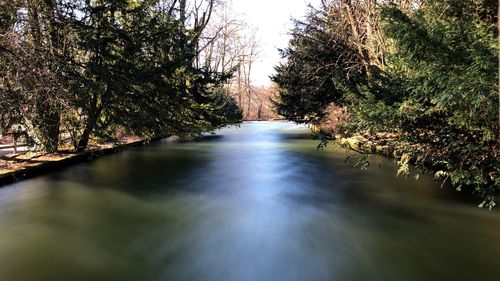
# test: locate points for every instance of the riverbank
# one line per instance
(380, 144)
(408, 155)
(17, 167)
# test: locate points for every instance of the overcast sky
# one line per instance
(273, 20)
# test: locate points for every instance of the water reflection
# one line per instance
(251, 203)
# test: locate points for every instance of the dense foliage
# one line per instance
(82, 69)
(427, 71)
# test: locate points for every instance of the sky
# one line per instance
(272, 18)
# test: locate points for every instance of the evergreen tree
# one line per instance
(446, 57)
(93, 68)
(437, 87)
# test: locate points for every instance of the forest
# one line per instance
(420, 75)
(417, 75)
(74, 72)
(249, 140)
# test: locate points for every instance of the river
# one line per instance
(255, 202)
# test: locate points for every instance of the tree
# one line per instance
(446, 58)
(229, 46)
(424, 70)
(88, 69)
(32, 86)
(320, 62)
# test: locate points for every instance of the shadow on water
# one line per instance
(257, 202)
(211, 137)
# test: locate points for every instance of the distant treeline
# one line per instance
(83, 69)
(425, 71)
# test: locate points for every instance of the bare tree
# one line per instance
(230, 45)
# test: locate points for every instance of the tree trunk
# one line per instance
(48, 123)
(182, 11)
(358, 41)
(47, 118)
(239, 86)
(90, 125)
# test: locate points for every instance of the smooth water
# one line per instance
(257, 202)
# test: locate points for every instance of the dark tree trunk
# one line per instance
(90, 125)
(182, 11)
(47, 118)
(49, 126)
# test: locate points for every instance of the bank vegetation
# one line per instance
(77, 71)
(423, 72)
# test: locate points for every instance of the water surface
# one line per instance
(257, 202)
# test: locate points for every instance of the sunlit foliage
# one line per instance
(84, 69)
(434, 84)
